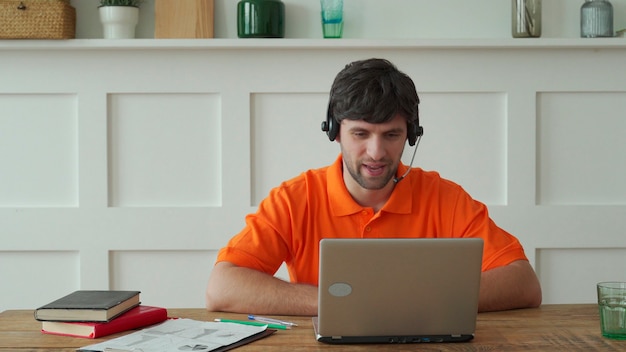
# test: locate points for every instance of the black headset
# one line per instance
(331, 127)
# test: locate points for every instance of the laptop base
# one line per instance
(337, 340)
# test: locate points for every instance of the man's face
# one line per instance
(372, 152)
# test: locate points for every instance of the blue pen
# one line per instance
(271, 320)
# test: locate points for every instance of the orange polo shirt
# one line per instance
(296, 215)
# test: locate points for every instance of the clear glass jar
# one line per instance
(526, 18)
(596, 19)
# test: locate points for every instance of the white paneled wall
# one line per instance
(128, 164)
(172, 137)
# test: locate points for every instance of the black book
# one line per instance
(88, 306)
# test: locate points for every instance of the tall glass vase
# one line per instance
(526, 18)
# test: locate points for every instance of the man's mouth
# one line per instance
(374, 170)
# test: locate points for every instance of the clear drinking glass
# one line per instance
(612, 306)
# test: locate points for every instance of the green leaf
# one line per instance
(133, 3)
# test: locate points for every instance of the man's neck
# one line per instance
(374, 199)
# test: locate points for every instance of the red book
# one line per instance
(137, 317)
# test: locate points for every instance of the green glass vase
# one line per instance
(261, 19)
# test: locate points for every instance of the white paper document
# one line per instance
(179, 335)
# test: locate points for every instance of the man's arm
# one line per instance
(509, 287)
(242, 290)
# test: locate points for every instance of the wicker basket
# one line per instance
(37, 19)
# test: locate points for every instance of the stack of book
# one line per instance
(93, 314)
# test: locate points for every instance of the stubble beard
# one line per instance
(372, 184)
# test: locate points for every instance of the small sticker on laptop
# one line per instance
(340, 289)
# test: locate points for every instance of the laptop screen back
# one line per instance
(398, 287)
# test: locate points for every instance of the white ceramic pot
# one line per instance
(119, 22)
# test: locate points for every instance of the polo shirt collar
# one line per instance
(342, 204)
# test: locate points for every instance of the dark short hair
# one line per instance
(373, 90)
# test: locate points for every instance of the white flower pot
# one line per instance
(119, 22)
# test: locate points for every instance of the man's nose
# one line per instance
(375, 148)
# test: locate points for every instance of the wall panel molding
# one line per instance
(110, 177)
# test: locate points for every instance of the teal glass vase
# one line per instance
(261, 19)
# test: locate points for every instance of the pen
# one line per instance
(271, 320)
(254, 323)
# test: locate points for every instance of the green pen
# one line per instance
(254, 323)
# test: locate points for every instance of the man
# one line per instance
(367, 192)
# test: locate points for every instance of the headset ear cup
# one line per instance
(330, 126)
(412, 134)
(334, 130)
(415, 131)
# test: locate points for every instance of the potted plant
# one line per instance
(119, 18)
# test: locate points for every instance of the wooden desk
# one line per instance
(550, 327)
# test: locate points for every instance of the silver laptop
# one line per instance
(398, 290)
